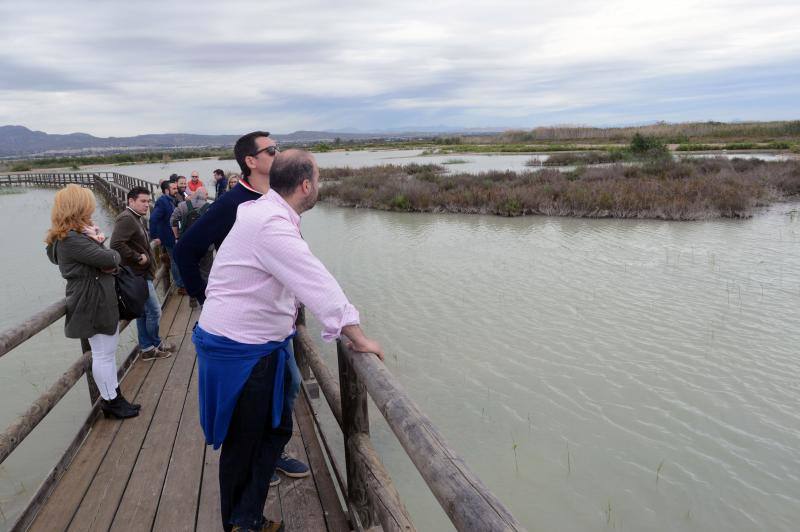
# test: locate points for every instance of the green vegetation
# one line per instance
(659, 187)
(737, 146)
(455, 161)
(117, 158)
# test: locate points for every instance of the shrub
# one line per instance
(400, 203)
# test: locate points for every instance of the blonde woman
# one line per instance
(233, 180)
(75, 244)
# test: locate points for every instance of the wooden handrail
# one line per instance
(14, 336)
(19, 429)
(467, 501)
(380, 491)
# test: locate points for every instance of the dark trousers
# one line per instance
(251, 448)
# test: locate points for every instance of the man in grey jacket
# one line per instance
(131, 240)
(184, 215)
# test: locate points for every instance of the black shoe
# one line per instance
(117, 408)
(135, 406)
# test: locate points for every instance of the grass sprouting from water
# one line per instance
(514, 449)
(569, 461)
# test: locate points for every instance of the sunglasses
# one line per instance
(271, 151)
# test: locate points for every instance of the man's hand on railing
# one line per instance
(358, 341)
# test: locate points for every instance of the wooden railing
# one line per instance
(371, 495)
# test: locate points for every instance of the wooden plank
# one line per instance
(302, 509)
(177, 508)
(68, 493)
(335, 517)
(100, 502)
(208, 512)
(139, 503)
(273, 509)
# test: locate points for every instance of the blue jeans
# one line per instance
(173, 267)
(148, 324)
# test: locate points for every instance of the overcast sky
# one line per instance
(114, 69)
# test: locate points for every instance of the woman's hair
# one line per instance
(72, 210)
(231, 179)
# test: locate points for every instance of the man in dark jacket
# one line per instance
(161, 228)
(221, 183)
(131, 240)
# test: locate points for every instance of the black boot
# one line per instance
(135, 406)
(117, 408)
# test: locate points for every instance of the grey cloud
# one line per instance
(17, 76)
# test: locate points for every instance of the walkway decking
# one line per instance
(154, 472)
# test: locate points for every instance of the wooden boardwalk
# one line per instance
(154, 471)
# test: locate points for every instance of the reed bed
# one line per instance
(660, 188)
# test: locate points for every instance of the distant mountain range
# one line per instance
(19, 141)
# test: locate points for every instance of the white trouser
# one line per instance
(104, 363)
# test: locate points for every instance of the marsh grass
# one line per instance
(595, 157)
(660, 188)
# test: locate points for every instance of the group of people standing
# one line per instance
(262, 271)
(77, 246)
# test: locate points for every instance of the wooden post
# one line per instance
(299, 348)
(94, 392)
(355, 422)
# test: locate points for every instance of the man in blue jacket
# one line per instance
(161, 228)
(254, 152)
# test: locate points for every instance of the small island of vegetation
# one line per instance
(651, 184)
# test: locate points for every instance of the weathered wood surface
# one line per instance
(60, 506)
(24, 424)
(101, 501)
(329, 499)
(325, 377)
(355, 422)
(383, 497)
(14, 336)
(467, 501)
(154, 472)
(381, 494)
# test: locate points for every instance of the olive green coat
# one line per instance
(92, 306)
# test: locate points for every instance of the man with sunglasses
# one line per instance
(263, 270)
(255, 153)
